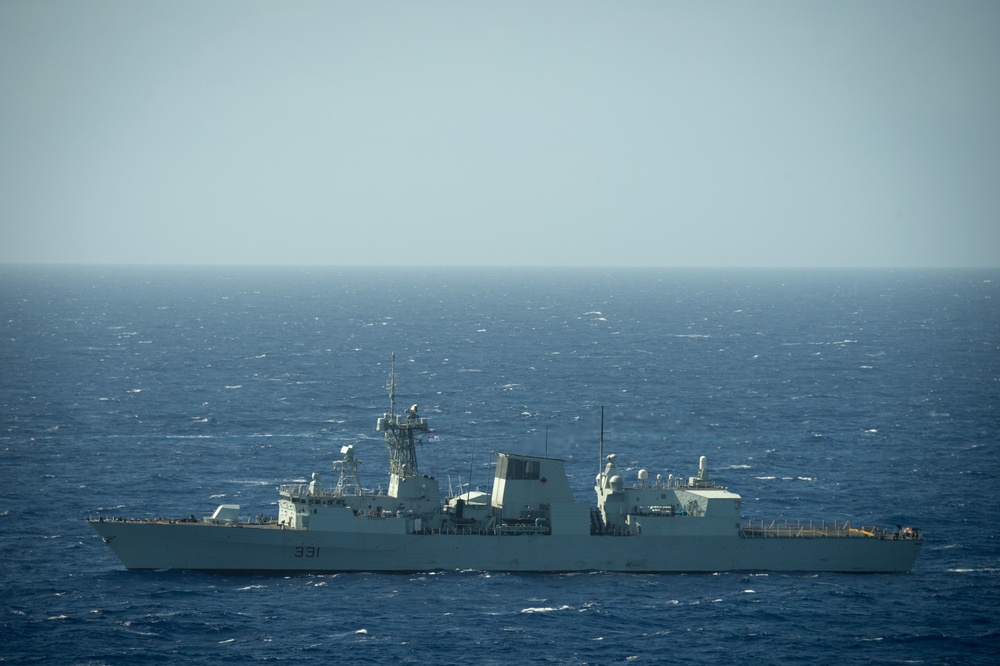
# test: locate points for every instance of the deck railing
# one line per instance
(761, 529)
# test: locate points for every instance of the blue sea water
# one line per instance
(869, 396)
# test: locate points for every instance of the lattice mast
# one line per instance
(348, 468)
(401, 432)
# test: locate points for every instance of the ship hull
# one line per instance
(266, 548)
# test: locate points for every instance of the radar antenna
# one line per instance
(401, 432)
(348, 468)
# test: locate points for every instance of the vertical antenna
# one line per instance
(600, 462)
(471, 455)
(546, 441)
(392, 386)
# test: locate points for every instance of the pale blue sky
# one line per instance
(847, 133)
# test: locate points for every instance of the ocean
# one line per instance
(866, 395)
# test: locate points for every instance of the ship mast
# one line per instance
(401, 432)
(600, 455)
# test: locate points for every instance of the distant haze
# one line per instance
(849, 133)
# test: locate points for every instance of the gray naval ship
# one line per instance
(529, 522)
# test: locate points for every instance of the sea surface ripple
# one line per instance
(869, 396)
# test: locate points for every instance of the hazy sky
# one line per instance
(834, 133)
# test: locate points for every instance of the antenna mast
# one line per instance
(600, 461)
(401, 433)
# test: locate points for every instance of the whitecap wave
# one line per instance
(545, 609)
(981, 570)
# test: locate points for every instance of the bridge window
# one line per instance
(514, 469)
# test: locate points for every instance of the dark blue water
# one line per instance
(869, 396)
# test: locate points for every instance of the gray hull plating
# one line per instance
(209, 547)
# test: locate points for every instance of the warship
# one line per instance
(528, 522)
